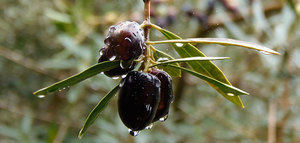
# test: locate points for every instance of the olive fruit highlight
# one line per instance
(107, 55)
(166, 94)
(126, 40)
(138, 99)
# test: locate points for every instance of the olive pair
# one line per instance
(144, 98)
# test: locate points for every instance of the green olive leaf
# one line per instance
(189, 60)
(221, 41)
(97, 110)
(207, 68)
(171, 71)
(228, 89)
(91, 71)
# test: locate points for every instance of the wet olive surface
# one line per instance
(138, 99)
(107, 55)
(166, 93)
(126, 40)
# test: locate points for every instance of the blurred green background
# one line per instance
(43, 41)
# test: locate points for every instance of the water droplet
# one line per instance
(179, 44)
(128, 39)
(107, 41)
(112, 28)
(101, 72)
(63, 90)
(116, 77)
(172, 100)
(230, 94)
(112, 58)
(265, 53)
(126, 65)
(157, 84)
(148, 107)
(123, 76)
(101, 52)
(41, 96)
(133, 133)
(162, 119)
(130, 79)
(122, 65)
(149, 126)
(162, 59)
(121, 83)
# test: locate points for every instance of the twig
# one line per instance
(42, 117)
(62, 131)
(245, 131)
(284, 101)
(25, 62)
(210, 113)
(32, 65)
(272, 122)
(215, 22)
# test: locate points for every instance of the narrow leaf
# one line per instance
(207, 68)
(221, 41)
(189, 60)
(93, 70)
(158, 55)
(97, 110)
(226, 88)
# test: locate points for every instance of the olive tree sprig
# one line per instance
(200, 65)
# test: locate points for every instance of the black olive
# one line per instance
(138, 99)
(126, 40)
(166, 94)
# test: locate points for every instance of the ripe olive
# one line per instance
(126, 40)
(166, 93)
(138, 99)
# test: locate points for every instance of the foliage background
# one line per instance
(44, 41)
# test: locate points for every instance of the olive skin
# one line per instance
(106, 55)
(166, 93)
(126, 40)
(138, 99)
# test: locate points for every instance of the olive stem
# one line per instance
(153, 62)
(146, 26)
(140, 59)
(147, 19)
(154, 26)
(152, 48)
(153, 51)
(147, 59)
